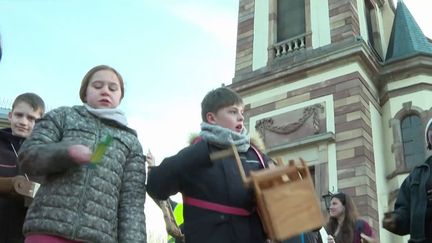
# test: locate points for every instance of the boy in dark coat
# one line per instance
(413, 208)
(26, 109)
(217, 206)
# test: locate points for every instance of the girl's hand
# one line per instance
(367, 239)
(150, 159)
(80, 154)
(330, 239)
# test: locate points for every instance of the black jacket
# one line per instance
(12, 210)
(308, 237)
(411, 203)
(8, 158)
(192, 173)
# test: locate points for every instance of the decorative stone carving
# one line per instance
(270, 125)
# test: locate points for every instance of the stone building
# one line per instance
(343, 84)
(4, 122)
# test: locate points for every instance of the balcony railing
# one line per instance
(288, 46)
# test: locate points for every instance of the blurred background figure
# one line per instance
(344, 225)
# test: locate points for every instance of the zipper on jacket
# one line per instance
(86, 179)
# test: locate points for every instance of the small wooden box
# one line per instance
(18, 185)
(285, 195)
(286, 200)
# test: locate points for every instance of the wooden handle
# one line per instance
(221, 154)
(232, 151)
(246, 180)
(171, 226)
(18, 185)
(6, 185)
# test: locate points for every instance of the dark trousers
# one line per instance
(12, 214)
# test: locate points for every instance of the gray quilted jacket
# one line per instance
(104, 204)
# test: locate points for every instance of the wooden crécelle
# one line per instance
(285, 194)
(18, 185)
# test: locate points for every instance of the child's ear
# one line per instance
(211, 118)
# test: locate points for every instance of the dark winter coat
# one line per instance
(308, 237)
(411, 204)
(192, 173)
(9, 144)
(104, 204)
(12, 210)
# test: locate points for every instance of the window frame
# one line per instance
(372, 28)
(397, 147)
(411, 164)
(273, 28)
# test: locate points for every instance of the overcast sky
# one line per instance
(169, 52)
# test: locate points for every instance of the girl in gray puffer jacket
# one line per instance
(79, 201)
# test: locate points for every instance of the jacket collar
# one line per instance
(6, 135)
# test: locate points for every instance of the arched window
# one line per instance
(373, 29)
(412, 140)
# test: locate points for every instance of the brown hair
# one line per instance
(217, 99)
(347, 228)
(86, 80)
(34, 100)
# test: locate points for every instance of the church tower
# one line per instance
(344, 84)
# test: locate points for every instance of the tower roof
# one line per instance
(406, 38)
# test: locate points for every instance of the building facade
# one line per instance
(344, 84)
(4, 122)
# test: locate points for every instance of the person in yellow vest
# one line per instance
(178, 216)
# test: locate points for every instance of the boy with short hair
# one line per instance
(217, 206)
(26, 109)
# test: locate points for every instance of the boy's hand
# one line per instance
(367, 239)
(330, 239)
(389, 221)
(79, 153)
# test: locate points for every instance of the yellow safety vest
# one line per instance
(178, 217)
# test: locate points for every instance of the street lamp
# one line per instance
(327, 198)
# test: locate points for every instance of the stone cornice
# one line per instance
(323, 137)
(403, 68)
(303, 63)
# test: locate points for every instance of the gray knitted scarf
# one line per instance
(224, 137)
(110, 114)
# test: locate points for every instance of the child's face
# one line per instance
(22, 119)
(103, 90)
(230, 117)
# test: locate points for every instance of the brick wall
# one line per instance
(353, 132)
(245, 37)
